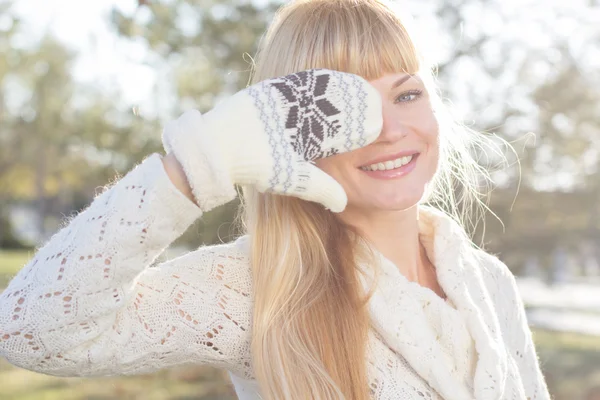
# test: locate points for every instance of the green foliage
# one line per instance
(7, 236)
(59, 139)
(189, 382)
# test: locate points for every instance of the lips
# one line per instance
(389, 165)
(389, 170)
(390, 157)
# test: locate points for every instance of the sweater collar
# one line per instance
(399, 318)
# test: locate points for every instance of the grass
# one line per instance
(570, 362)
(11, 261)
(182, 383)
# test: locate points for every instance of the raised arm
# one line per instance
(88, 303)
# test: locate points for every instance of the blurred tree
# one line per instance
(520, 69)
(58, 140)
(511, 68)
(206, 43)
(513, 71)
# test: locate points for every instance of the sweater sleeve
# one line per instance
(514, 326)
(91, 303)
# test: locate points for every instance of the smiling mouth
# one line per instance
(390, 164)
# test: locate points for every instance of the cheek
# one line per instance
(341, 168)
(433, 154)
(325, 165)
(433, 137)
(427, 129)
(430, 133)
(336, 166)
(430, 126)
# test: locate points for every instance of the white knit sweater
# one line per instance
(90, 302)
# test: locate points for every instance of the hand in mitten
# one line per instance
(269, 135)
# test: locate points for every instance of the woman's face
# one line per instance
(393, 172)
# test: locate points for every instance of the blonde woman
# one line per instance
(346, 286)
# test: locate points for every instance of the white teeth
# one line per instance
(388, 164)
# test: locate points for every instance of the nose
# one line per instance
(393, 128)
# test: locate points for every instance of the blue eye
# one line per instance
(408, 96)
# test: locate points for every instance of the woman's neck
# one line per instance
(395, 234)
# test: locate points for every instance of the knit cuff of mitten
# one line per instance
(206, 171)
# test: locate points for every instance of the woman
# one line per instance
(345, 286)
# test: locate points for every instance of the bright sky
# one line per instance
(83, 25)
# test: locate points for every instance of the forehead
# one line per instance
(392, 80)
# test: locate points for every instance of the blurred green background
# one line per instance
(86, 86)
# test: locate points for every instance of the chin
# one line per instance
(399, 203)
(396, 200)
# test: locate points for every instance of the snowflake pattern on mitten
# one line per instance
(326, 115)
(309, 114)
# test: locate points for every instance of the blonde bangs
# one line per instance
(363, 37)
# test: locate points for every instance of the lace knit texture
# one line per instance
(92, 303)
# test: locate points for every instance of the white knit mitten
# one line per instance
(269, 135)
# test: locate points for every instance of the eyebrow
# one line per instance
(401, 81)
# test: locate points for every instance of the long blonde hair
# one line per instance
(310, 321)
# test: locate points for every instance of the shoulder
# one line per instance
(236, 253)
(502, 287)
(212, 288)
(495, 273)
(224, 265)
(507, 302)
(500, 283)
(232, 262)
